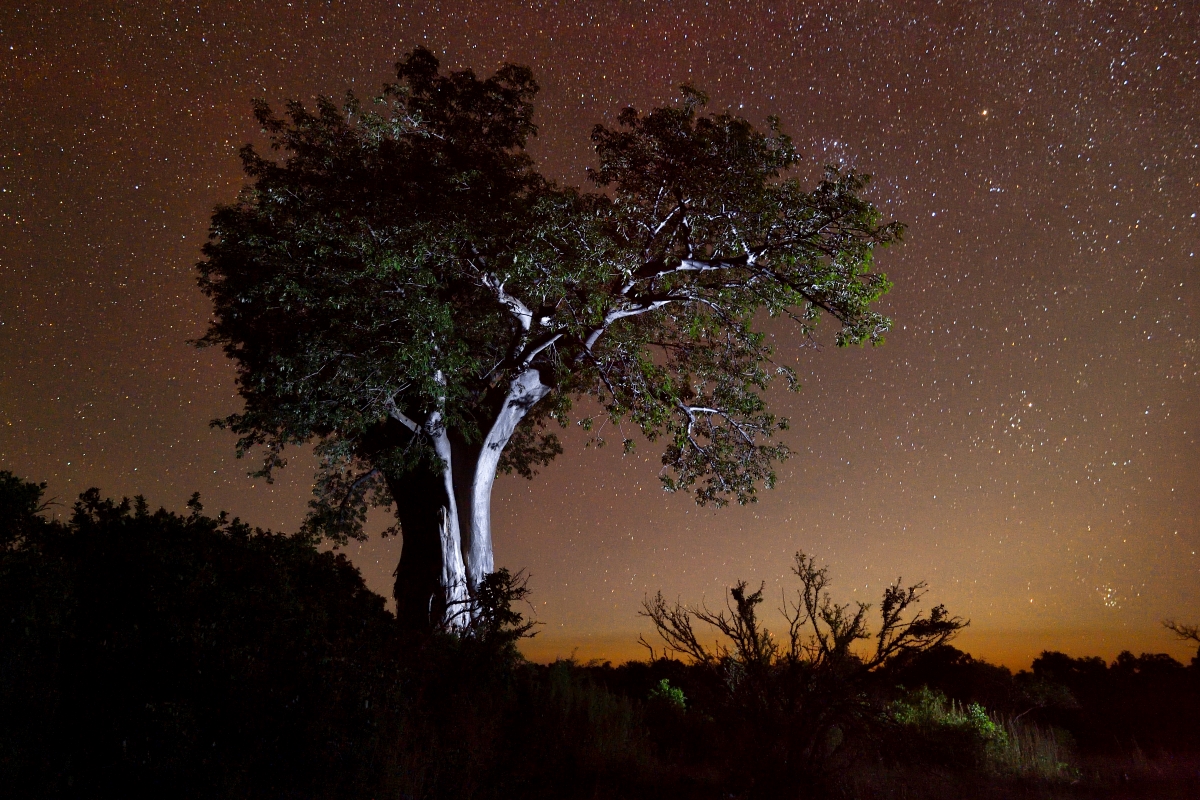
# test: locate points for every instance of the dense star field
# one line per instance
(1026, 441)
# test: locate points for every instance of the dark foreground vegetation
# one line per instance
(155, 654)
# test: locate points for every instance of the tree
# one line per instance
(21, 506)
(404, 289)
(1186, 633)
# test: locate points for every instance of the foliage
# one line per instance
(930, 729)
(403, 270)
(967, 680)
(21, 505)
(491, 618)
(1149, 701)
(666, 693)
(150, 653)
(156, 654)
(939, 731)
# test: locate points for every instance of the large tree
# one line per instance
(401, 287)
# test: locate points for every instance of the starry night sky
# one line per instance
(1026, 441)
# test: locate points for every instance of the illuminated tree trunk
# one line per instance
(431, 580)
(524, 393)
(445, 514)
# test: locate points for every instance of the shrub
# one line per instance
(931, 729)
(158, 654)
(141, 652)
(664, 692)
(787, 708)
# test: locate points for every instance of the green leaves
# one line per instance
(712, 233)
(404, 258)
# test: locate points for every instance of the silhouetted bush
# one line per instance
(795, 710)
(924, 727)
(158, 654)
(1149, 702)
(191, 656)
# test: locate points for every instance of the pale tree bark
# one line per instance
(467, 471)
(454, 573)
(525, 392)
(444, 510)
(431, 578)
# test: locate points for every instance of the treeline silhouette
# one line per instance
(149, 653)
(1148, 703)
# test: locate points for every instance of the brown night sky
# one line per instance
(1026, 441)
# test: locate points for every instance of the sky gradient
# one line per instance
(1025, 442)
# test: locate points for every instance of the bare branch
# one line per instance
(1185, 632)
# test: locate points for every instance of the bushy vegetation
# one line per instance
(187, 655)
(1149, 702)
(158, 654)
(945, 731)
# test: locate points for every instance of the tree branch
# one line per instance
(519, 310)
(395, 413)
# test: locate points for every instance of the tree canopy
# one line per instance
(402, 287)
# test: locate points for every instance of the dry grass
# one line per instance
(1036, 752)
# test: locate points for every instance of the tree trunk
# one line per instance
(524, 393)
(420, 503)
(431, 580)
(445, 514)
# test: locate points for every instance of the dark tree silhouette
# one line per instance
(1187, 633)
(821, 633)
(21, 506)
